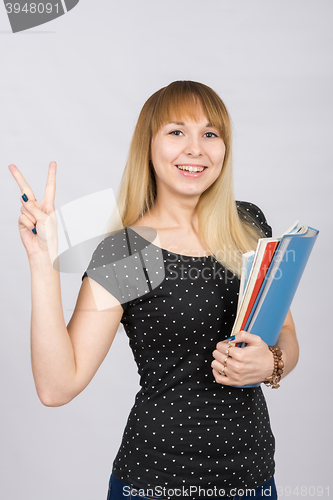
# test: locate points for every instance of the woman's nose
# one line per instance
(193, 147)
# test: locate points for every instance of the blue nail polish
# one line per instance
(232, 337)
(34, 230)
(24, 196)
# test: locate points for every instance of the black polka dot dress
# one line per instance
(185, 429)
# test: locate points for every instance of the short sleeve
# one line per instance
(123, 264)
(252, 214)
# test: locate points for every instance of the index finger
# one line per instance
(51, 183)
(23, 185)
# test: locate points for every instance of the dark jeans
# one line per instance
(118, 490)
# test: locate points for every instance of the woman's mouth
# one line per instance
(193, 169)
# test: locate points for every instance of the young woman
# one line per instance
(193, 431)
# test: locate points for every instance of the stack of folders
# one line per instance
(269, 279)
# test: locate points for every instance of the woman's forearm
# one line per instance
(287, 342)
(52, 354)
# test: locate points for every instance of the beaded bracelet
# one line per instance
(274, 379)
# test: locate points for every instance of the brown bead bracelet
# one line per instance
(274, 379)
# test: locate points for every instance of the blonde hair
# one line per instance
(220, 227)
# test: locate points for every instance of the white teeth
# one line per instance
(190, 169)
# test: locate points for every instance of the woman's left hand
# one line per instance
(241, 366)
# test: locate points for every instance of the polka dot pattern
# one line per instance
(184, 428)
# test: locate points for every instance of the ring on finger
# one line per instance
(221, 372)
(227, 351)
(225, 361)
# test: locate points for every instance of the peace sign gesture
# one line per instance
(38, 230)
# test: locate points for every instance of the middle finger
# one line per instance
(51, 183)
(220, 356)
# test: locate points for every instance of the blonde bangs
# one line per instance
(187, 100)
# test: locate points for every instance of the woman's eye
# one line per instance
(210, 134)
(175, 132)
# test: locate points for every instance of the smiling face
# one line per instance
(187, 156)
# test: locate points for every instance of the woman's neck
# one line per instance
(176, 213)
(176, 224)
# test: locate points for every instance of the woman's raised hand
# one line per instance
(38, 229)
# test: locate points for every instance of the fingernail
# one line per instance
(232, 337)
(24, 196)
(34, 230)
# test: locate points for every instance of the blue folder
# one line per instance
(278, 289)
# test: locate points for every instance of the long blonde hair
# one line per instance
(221, 229)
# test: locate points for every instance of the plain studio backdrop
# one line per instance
(71, 91)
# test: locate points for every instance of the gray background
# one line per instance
(71, 91)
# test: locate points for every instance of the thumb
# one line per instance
(248, 338)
